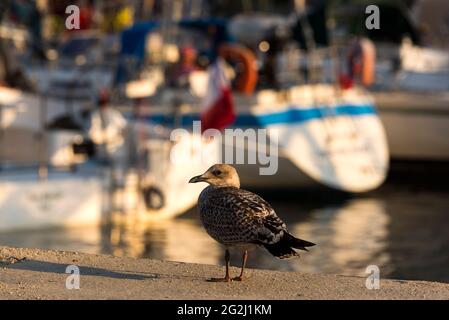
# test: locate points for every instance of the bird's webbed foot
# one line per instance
(225, 279)
(239, 278)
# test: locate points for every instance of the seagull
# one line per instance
(238, 218)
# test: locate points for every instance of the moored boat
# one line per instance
(62, 199)
(322, 136)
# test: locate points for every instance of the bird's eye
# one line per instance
(216, 172)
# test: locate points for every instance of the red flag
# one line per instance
(218, 106)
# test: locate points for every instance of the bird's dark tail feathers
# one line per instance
(283, 249)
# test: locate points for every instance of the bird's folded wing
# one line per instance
(272, 231)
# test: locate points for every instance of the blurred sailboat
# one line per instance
(416, 96)
(135, 177)
(412, 75)
(325, 136)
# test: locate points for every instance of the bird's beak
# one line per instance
(196, 179)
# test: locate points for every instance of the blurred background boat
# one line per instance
(61, 199)
(415, 94)
(324, 135)
(412, 75)
(64, 128)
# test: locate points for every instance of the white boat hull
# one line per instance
(417, 125)
(288, 176)
(332, 137)
(346, 157)
(62, 200)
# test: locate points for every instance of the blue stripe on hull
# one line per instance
(289, 116)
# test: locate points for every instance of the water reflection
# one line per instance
(350, 237)
(403, 232)
(178, 240)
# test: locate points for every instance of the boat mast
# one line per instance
(300, 9)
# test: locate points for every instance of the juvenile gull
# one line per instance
(238, 218)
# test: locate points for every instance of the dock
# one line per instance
(41, 274)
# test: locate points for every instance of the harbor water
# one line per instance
(401, 228)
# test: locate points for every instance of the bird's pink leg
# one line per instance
(226, 278)
(245, 258)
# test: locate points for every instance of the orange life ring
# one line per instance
(247, 79)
